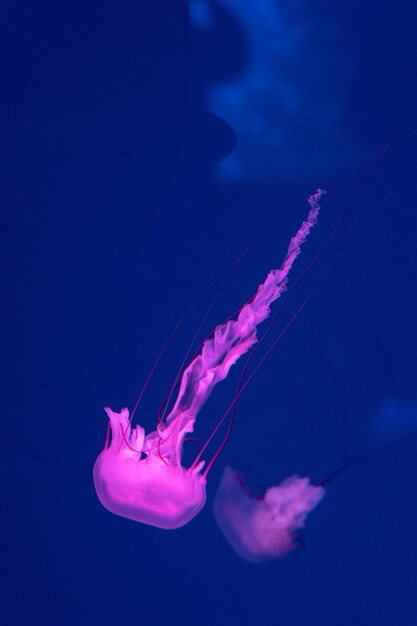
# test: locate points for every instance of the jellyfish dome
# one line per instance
(139, 477)
(263, 528)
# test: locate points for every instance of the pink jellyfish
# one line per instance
(141, 476)
(261, 529)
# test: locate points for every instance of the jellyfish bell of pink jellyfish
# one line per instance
(263, 528)
(138, 476)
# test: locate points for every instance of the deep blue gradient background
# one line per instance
(118, 209)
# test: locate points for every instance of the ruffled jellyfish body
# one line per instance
(148, 486)
(141, 476)
(263, 528)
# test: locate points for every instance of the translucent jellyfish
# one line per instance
(261, 529)
(141, 476)
(396, 416)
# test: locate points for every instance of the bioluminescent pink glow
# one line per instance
(141, 476)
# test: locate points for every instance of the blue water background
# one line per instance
(144, 145)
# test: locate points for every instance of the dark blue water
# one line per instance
(144, 145)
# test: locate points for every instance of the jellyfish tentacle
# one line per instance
(235, 337)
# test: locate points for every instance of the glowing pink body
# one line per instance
(149, 489)
(141, 476)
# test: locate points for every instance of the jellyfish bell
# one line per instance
(263, 528)
(138, 476)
